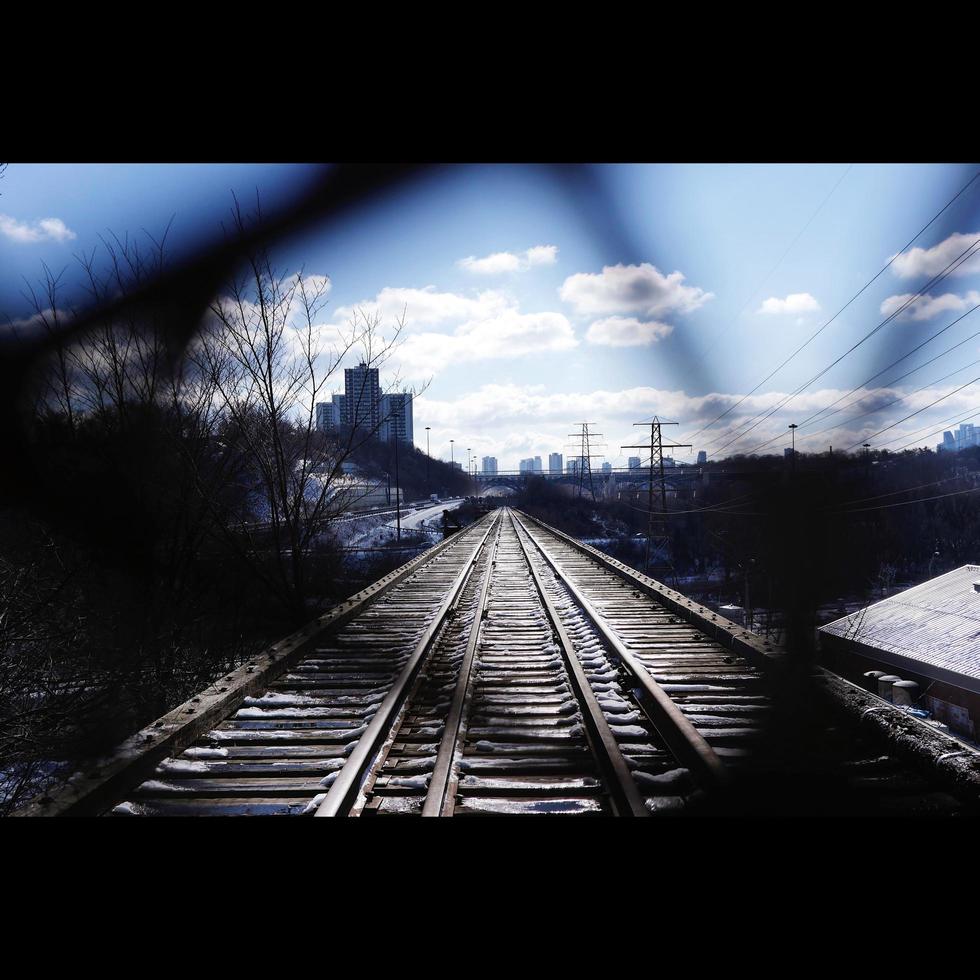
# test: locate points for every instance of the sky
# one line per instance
(538, 298)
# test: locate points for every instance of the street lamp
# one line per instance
(428, 482)
(793, 427)
(452, 458)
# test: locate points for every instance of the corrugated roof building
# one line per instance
(929, 634)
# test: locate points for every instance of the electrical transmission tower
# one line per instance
(586, 439)
(658, 540)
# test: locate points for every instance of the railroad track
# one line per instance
(508, 670)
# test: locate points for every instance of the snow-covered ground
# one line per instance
(374, 530)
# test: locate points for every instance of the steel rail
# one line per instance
(683, 739)
(618, 780)
(439, 797)
(98, 782)
(343, 793)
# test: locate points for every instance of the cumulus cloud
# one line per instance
(621, 331)
(427, 307)
(507, 334)
(42, 230)
(500, 262)
(639, 289)
(793, 303)
(542, 255)
(927, 306)
(487, 326)
(500, 414)
(932, 261)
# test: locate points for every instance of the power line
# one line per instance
(899, 361)
(844, 307)
(895, 401)
(917, 412)
(779, 262)
(759, 419)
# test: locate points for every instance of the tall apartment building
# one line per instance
(330, 415)
(362, 397)
(573, 465)
(633, 462)
(554, 463)
(702, 457)
(490, 465)
(606, 468)
(396, 417)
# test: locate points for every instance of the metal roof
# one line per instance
(935, 624)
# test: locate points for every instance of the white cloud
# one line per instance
(45, 229)
(514, 421)
(932, 261)
(927, 306)
(641, 289)
(542, 255)
(500, 262)
(507, 334)
(619, 331)
(793, 303)
(426, 307)
(487, 326)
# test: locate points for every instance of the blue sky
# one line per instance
(532, 305)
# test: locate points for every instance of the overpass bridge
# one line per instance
(511, 669)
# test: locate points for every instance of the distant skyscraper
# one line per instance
(396, 417)
(330, 415)
(554, 463)
(633, 462)
(572, 466)
(607, 468)
(536, 464)
(362, 397)
(490, 465)
(702, 457)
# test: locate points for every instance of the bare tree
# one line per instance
(272, 361)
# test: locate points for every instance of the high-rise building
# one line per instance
(396, 417)
(536, 464)
(966, 435)
(330, 415)
(455, 465)
(633, 462)
(702, 457)
(554, 463)
(362, 397)
(607, 468)
(490, 465)
(572, 466)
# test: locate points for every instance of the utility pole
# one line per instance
(585, 457)
(452, 458)
(398, 494)
(428, 482)
(656, 450)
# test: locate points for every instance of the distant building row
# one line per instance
(965, 436)
(363, 405)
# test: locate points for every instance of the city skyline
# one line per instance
(520, 316)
